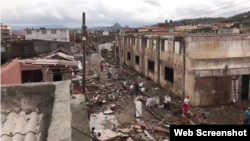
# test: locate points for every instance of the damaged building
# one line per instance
(211, 69)
(55, 66)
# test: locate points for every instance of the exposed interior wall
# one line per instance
(11, 74)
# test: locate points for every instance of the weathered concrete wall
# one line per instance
(212, 90)
(175, 87)
(175, 61)
(11, 74)
(218, 47)
(105, 38)
(60, 127)
(128, 48)
(219, 67)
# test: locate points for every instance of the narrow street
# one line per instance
(120, 105)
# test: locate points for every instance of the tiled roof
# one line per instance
(20, 127)
(36, 112)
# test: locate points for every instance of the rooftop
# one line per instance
(31, 40)
(36, 112)
(183, 34)
(46, 29)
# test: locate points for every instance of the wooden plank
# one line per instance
(107, 135)
(157, 128)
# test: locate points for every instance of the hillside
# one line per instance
(236, 18)
(239, 17)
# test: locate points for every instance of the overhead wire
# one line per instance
(205, 8)
(216, 10)
(232, 12)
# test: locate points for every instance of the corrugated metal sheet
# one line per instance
(20, 127)
(63, 55)
(48, 62)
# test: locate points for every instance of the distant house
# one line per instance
(48, 34)
(5, 32)
(29, 48)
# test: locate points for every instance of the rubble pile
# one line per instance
(109, 57)
(109, 97)
(151, 90)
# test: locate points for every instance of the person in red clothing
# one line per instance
(185, 106)
(101, 66)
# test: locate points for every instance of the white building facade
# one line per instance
(48, 34)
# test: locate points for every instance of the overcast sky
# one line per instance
(133, 13)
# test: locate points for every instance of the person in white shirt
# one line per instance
(150, 102)
(143, 90)
(124, 85)
(167, 102)
(131, 89)
(185, 106)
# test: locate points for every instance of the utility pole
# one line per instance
(75, 41)
(83, 52)
(120, 54)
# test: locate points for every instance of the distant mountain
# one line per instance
(116, 26)
(126, 26)
(37, 27)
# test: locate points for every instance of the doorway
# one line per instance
(245, 87)
(57, 75)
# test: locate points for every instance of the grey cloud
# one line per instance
(74, 18)
(153, 2)
(71, 13)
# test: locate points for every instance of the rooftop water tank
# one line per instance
(166, 22)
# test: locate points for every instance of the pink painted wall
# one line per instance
(11, 74)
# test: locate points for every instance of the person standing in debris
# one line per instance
(109, 75)
(88, 112)
(150, 102)
(185, 106)
(203, 119)
(167, 102)
(124, 84)
(246, 120)
(131, 89)
(137, 89)
(101, 66)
